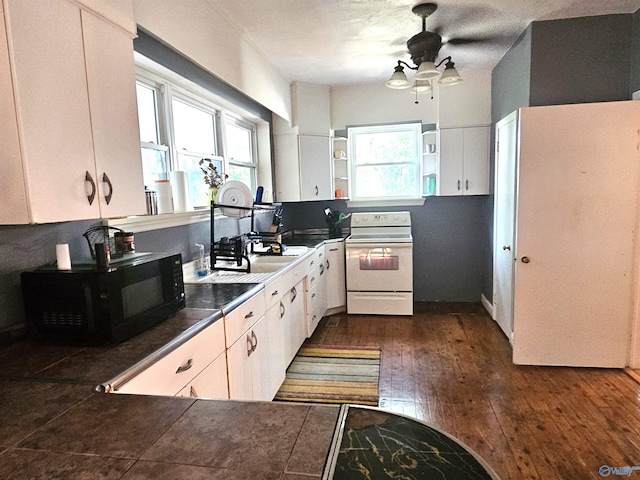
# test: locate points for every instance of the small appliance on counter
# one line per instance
(333, 218)
(88, 305)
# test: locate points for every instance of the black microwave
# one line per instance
(89, 306)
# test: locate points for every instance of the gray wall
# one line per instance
(577, 60)
(449, 238)
(25, 247)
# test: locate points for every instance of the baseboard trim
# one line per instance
(487, 305)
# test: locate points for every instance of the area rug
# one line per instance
(333, 374)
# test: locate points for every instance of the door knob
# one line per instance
(507, 247)
(525, 259)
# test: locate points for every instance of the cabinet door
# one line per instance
(114, 117)
(239, 366)
(13, 208)
(53, 109)
(287, 168)
(476, 161)
(210, 383)
(451, 159)
(294, 326)
(335, 275)
(267, 361)
(315, 167)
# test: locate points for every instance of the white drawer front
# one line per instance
(242, 318)
(171, 373)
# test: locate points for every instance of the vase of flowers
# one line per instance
(212, 177)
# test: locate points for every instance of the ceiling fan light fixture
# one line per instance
(450, 76)
(421, 86)
(398, 79)
(427, 71)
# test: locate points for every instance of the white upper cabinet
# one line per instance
(463, 161)
(75, 113)
(303, 150)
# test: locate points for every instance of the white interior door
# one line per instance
(575, 228)
(504, 212)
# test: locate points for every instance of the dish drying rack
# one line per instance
(234, 250)
(102, 234)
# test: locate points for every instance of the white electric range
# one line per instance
(379, 264)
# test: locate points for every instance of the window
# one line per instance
(178, 128)
(240, 152)
(385, 161)
(154, 151)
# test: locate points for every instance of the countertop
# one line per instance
(55, 427)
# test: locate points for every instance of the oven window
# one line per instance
(141, 296)
(379, 259)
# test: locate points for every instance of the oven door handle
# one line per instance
(408, 244)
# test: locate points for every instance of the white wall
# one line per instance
(374, 103)
(468, 103)
(202, 34)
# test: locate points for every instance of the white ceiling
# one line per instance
(336, 42)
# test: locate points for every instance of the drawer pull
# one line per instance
(255, 340)
(333, 249)
(328, 264)
(185, 367)
(274, 293)
(294, 294)
(249, 315)
(312, 263)
(282, 310)
(313, 296)
(321, 269)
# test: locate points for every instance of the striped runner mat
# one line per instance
(333, 374)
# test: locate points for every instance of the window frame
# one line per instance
(416, 164)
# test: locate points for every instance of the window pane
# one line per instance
(198, 189)
(147, 113)
(238, 147)
(242, 174)
(193, 128)
(385, 161)
(385, 181)
(385, 147)
(154, 166)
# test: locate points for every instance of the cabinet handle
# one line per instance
(317, 191)
(312, 262)
(249, 345)
(333, 249)
(192, 392)
(282, 310)
(313, 296)
(92, 195)
(321, 269)
(466, 184)
(328, 264)
(105, 179)
(255, 340)
(185, 367)
(458, 184)
(249, 315)
(274, 293)
(313, 279)
(525, 260)
(506, 247)
(294, 294)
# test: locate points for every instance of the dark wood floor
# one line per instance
(450, 366)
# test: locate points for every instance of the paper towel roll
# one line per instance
(180, 191)
(63, 259)
(165, 198)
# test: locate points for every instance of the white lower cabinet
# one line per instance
(335, 291)
(294, 322)
(170, 374)
(211, 382)
(253, 368)
(315, 295)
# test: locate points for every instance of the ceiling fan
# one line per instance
(424, 48)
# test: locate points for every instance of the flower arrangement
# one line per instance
(212, 177)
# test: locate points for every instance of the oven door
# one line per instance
(379, 267)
